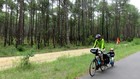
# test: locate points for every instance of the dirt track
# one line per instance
(8, 62)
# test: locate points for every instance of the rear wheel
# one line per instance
(102, 67)
(92, 68)
(112, 64)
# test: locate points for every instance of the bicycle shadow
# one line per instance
(107, 71)
(101, 74)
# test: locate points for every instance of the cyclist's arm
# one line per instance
(103, 44)
(95, 43)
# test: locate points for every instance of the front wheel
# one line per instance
(92, 68)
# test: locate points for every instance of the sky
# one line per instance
(136, 3)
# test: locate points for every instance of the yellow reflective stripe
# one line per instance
(102, 46)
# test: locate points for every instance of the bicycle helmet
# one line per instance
(98, 36)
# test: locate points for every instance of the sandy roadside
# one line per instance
(8, 62)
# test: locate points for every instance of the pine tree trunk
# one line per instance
(20, 31)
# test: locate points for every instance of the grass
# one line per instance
(66, 68)
(63, 68)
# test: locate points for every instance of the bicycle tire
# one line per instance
(92, 68)
(112, 64)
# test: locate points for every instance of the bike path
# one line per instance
(127, 68)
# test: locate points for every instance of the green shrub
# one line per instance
(8, 51)
(25, 62)
(129, 39)
(20, 48)
(89, 40)
(136, 41)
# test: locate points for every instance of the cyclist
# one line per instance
(99, 42)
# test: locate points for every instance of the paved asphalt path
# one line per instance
(127, 68)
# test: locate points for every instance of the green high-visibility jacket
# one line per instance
(99, 43)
